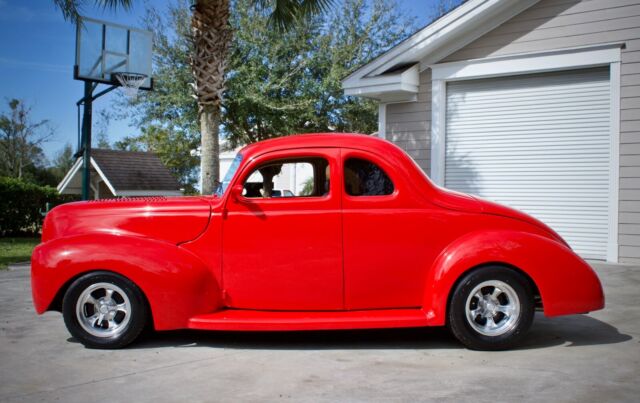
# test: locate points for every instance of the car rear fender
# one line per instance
(177, 284)
(567, 284)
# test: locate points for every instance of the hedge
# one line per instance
(22, 204)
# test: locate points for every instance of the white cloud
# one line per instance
(54, 68)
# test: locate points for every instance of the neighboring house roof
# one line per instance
(133, 170)
(394, 75)
(125, 173)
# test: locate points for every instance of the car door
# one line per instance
(384, 249)
(285, 253)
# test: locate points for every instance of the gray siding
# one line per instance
(555, 24)
(409, 124)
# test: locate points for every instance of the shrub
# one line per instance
(22, 204)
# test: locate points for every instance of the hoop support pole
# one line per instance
(86, 139)
(98, 95)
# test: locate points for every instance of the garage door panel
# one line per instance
(539, 143)
(556, 129)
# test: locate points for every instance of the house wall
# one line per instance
(548, 25)
(409, 124)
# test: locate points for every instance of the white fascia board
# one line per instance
(406, 82)
(103, 177)
(528, 63)
(369, 90)
(69, 176)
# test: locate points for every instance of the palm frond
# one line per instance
(285, 13)
(71, 9)
(314, 7)
(114, 4)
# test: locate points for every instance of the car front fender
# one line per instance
(567, 284)
(177, 284)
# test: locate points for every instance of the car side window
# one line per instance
(289, 178)
(364, 178)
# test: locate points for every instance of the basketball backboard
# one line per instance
(104, 48)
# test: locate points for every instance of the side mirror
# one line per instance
(236, 192)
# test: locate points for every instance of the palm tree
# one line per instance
(212, 39)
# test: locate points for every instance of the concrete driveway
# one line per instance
(584, 358)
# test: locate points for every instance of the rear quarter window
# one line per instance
(364, 178)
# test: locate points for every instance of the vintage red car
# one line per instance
(368, 242)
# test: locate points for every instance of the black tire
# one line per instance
(117, 328)
(503, 316)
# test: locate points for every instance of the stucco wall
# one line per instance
(548, 25)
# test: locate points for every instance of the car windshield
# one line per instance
(222, 187)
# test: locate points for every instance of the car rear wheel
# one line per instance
(491, 308)
(104, 310)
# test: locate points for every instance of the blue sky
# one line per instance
(37, 49)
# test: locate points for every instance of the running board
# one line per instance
(246, 320)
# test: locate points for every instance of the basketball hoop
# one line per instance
(131, 82)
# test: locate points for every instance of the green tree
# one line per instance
(102, 134)
(62, 162)
(21, 141)
(278, 83)
(284, 83)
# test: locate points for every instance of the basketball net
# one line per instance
(130, 83)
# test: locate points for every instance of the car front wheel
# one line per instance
(491, 308)
(104, 310)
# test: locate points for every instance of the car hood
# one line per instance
(172, 219)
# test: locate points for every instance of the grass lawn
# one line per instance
(14, 250)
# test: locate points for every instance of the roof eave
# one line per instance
(389, 87)
(443, 37)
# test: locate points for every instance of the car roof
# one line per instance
(346, 140)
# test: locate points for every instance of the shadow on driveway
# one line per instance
(572, 331)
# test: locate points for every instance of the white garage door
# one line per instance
(539, 143)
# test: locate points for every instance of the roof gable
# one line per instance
(444, 36)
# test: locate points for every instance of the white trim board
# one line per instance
(557, 60)
(103, 176)
(565, 59)
(67, 178)
(382, 120)
(74, 170)
(614, 161)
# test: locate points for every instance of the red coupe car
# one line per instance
(366, 240)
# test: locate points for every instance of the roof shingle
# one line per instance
(134, 170)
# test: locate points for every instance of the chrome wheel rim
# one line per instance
(103, 310)
(493, 308)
